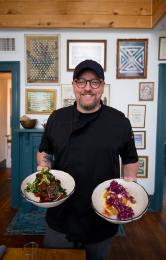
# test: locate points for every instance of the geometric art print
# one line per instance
(42, 59)
(132, 58)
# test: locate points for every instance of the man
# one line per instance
(86, 140)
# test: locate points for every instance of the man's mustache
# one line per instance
(88, 93)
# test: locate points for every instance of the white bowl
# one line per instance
(135, 189)
(67, 182)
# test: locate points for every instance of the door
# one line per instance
(13, 67)
(5, 117)
(157, 198)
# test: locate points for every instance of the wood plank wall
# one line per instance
(158, 10)
(77, 13)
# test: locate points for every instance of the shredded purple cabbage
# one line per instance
(124, 212)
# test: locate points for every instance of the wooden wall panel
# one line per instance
(77, 13)
(158, 10)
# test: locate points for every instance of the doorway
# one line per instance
(13, 68)
(5, 119)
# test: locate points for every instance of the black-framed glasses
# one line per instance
(94, 83)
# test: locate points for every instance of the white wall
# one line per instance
(122, 91)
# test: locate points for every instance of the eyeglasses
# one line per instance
(94, 83)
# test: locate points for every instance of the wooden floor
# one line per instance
(145, 238)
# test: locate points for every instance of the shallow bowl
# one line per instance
(67, 182)
(134, 189)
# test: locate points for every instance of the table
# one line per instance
(43, 254)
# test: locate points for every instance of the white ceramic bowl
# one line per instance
(67, 182)
(135, 189)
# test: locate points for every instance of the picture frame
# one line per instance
(140, 139)
(143, 167)
(80, 50)
(40, 101)
(68, 98)
(136, 115)
(132, 55)
(146, 91)
(162, 48)
(41, 59)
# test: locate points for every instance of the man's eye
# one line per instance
(81, 81)
(95, 82)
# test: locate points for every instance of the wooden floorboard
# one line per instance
(145, 238)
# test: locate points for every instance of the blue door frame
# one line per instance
(14, 68)
(157, 198)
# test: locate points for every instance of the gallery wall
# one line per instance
(122, 91)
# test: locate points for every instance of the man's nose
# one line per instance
(88, 85)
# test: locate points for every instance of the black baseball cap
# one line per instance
(89, 65)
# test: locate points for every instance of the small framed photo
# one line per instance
(42, 59)
(143, 167)
(140, 139)
(132, 58)
(162, 48)
(80, 50)
(146, 91)
(40, 101)
(136, 115)
(68, 97)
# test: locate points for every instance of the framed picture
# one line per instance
(140, 139)
(40, 101)
(162, 48)
(136, 115)
(68, 97)
(146, 91)
(80, 50)
(42, 58)
(143, 167)
(132, 58)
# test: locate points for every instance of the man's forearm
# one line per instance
(44, 160)
(130, 171)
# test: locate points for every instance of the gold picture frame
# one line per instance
(143, 167)
(140, 139)
(42, 59)
(136, 115)
(162, 48)
(146, 91)
(40, 101)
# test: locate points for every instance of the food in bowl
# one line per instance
(46, 187)
(118, 202)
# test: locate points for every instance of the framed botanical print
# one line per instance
(143, 167)
(42, 59)
(80, 50)
(140, 139)
(136, 115)
(146, 91)
(132, 58)
(40, 101)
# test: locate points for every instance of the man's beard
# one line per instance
(91, 106)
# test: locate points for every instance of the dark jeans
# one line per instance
(96, 251)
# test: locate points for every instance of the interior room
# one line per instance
(41, 43)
